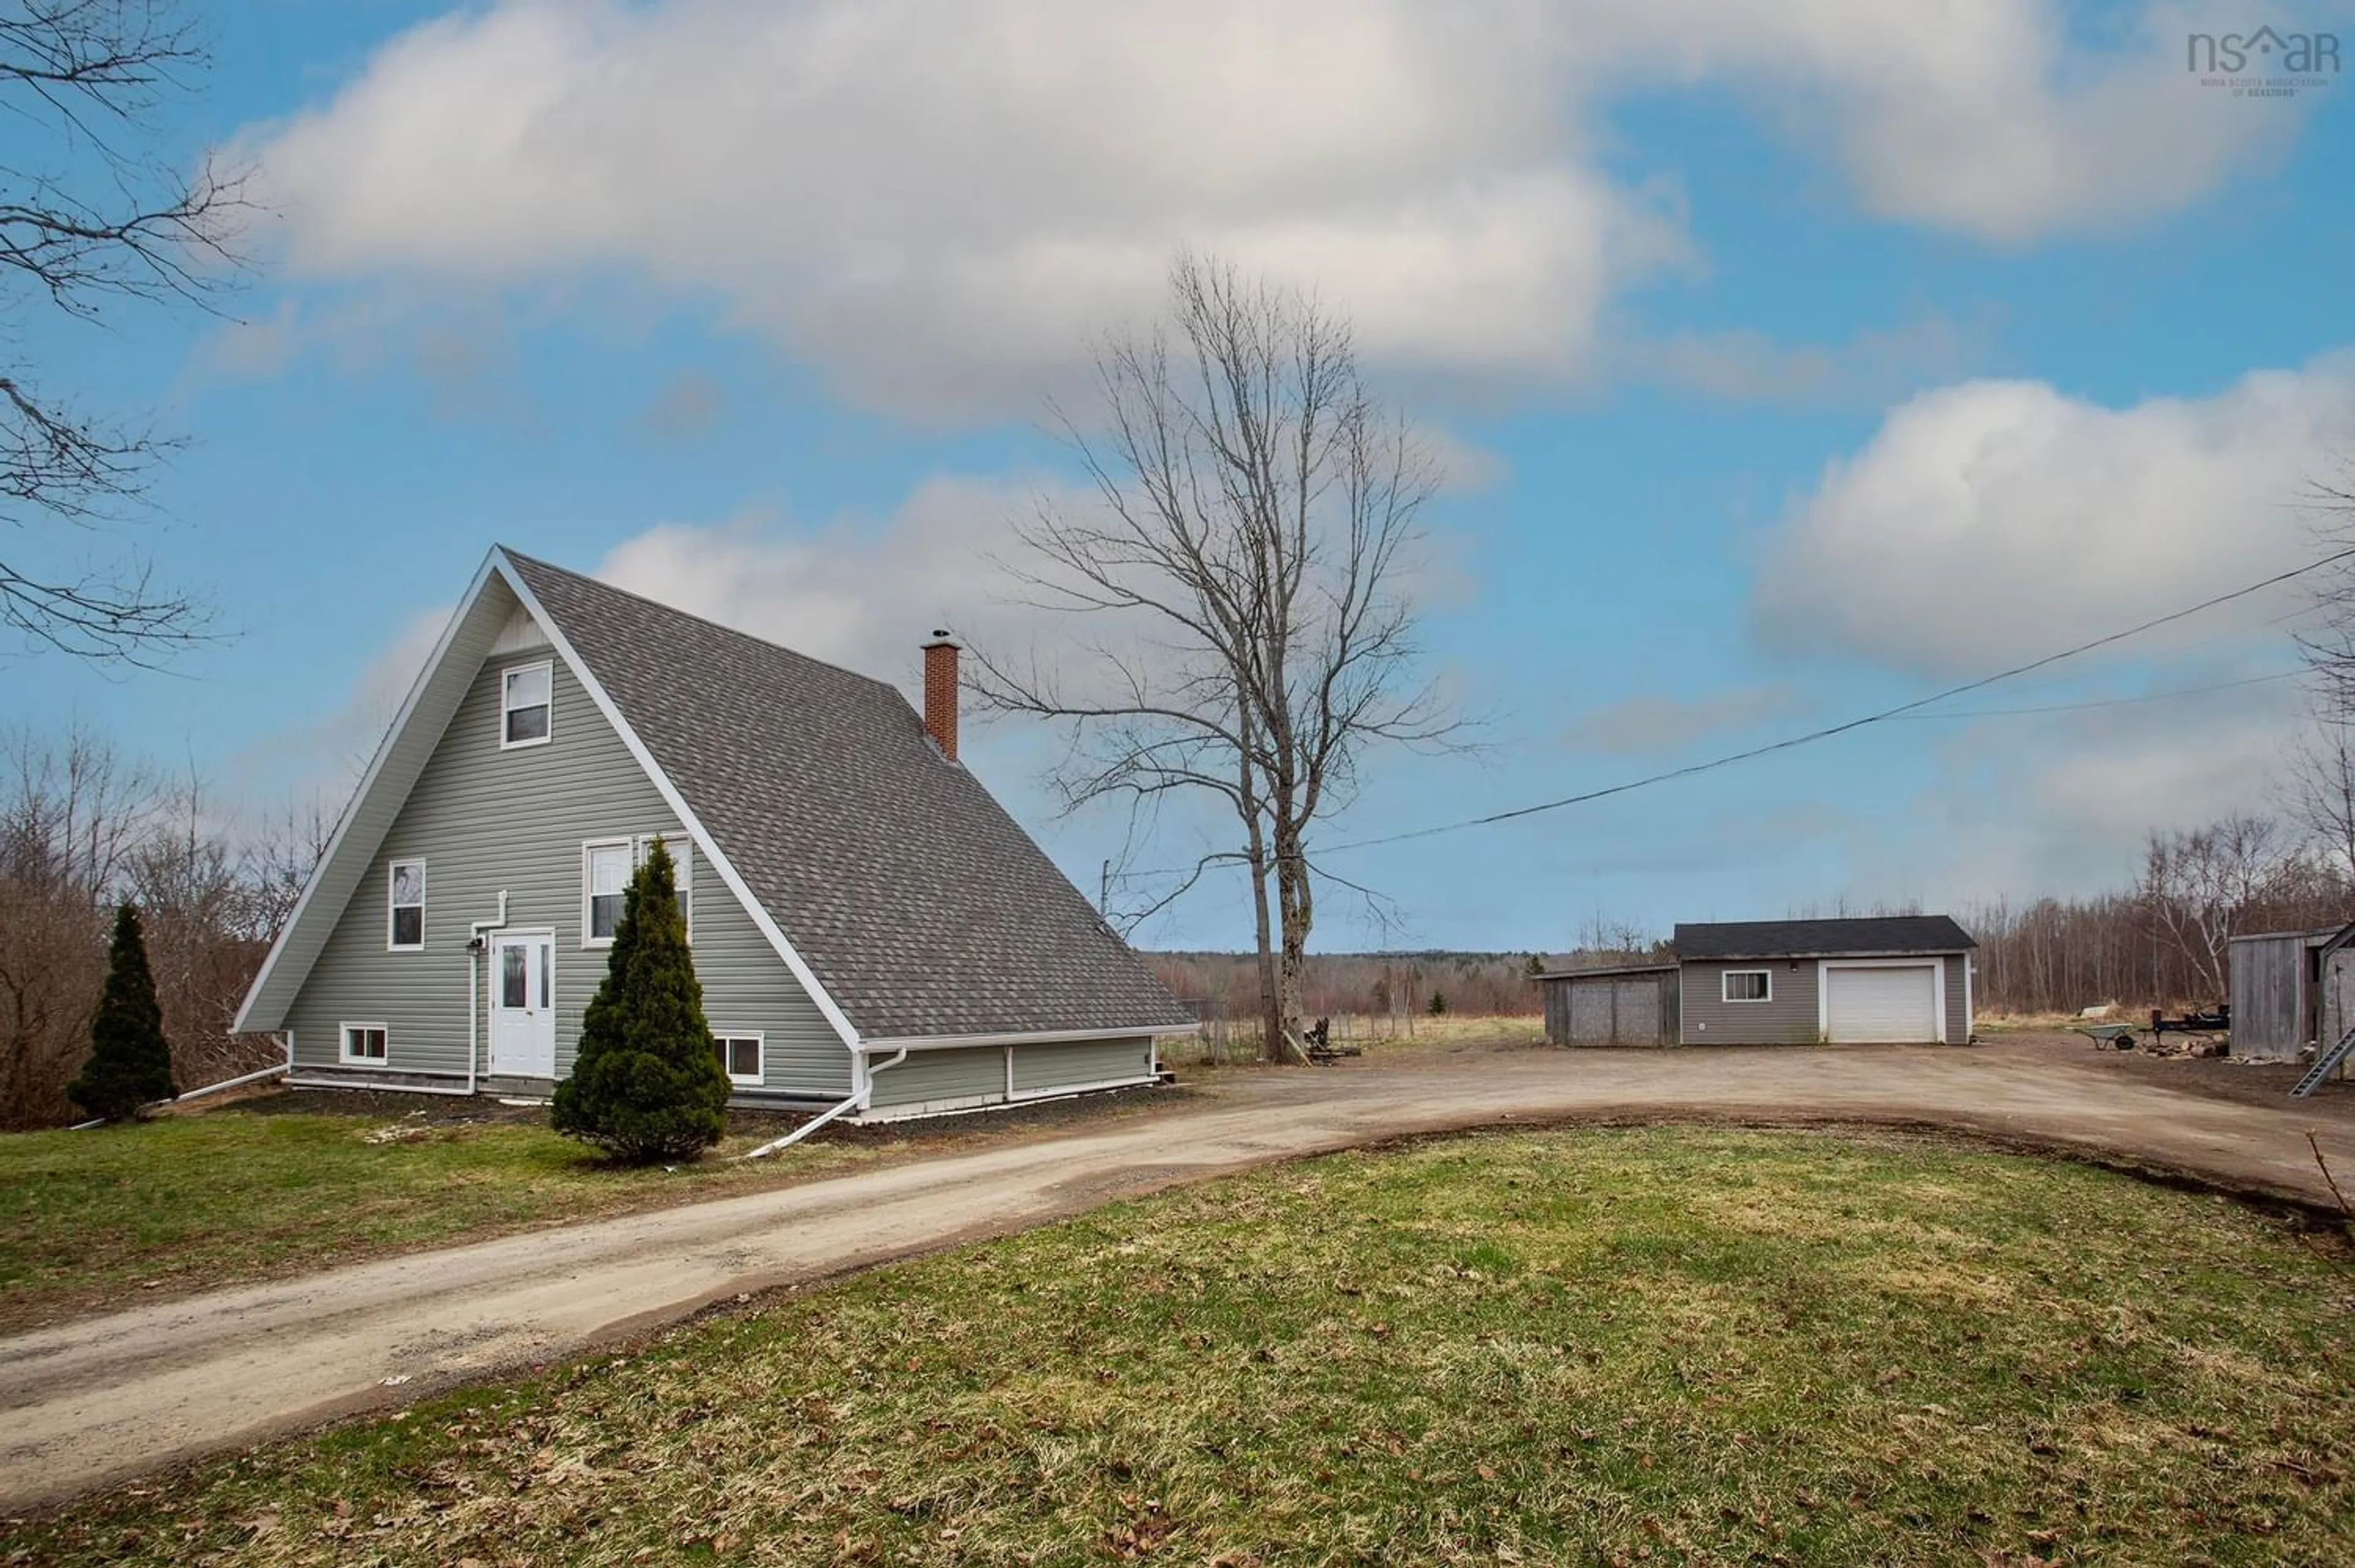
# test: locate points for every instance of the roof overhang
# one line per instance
(1033, 1037)
(1833, 953)
(1606, 971)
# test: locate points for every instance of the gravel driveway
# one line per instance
(89, 1404)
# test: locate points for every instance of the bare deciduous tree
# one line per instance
(82, 828)
(2200, 887)
(87, 219)
(1246, 572)
(2320, 791)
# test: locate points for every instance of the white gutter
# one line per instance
(476, 930)
(858, 1101)
(1033, 1037)
(272, 1071)
(269, 1072)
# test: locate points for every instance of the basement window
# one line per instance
(525, 702)
(405, 921)
(1749, 985)
(739, 1056)
(364, 1042)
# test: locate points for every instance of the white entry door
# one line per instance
(523, 1004)
(1895, 1003)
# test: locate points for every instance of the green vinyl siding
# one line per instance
(1040, 1068)
(977, 1075)
(928, 1077)
(486, 819)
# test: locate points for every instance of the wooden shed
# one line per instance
(1631, 1005)
(2291, 989)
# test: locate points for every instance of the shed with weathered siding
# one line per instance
(1633, 1004)
(2290, 989)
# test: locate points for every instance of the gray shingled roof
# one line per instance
(1874, 935)
(922, 906)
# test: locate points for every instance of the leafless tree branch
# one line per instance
(96, 221)
(1247, 566)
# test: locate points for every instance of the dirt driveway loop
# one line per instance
(90, 1403)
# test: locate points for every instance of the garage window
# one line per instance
(1749, 985)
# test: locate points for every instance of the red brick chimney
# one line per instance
(940, 693)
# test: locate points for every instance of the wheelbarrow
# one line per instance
(2108, 1036)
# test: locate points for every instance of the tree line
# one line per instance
(85, 830)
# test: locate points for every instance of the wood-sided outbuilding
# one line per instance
(1883, 979)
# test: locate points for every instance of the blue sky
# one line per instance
(1791, 361)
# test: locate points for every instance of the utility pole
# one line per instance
(1103, 890)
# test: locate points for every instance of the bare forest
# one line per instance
(84, 828)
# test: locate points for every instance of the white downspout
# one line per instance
(859, 1099)
(476, 948)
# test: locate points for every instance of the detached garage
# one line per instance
(1895, 980)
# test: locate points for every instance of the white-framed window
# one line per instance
(1748, 985)
(405, 912)
(739, 1056)
(526, 705)
(363, 1042)
(606, 867)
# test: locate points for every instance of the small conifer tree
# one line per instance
(130, 1064)
(647, 1085)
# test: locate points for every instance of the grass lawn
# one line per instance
(110, 1217)
(1608, 1347)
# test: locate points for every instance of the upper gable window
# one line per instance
(527, 693)
(406, 927)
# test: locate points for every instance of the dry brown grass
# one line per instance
(1375, 1034)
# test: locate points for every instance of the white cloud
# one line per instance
(934, 200)
(938, 202)
(688, 405)
(2000, 518)
(2060, 805)
(323, 759)
(1655, 724)
(859, 591)
(1871, 370)
(1999, 120)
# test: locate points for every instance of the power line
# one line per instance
(1829, 731)
(2107, 701)
(1884, 715)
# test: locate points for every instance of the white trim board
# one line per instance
(964, 1103)
(331, 859)
(1037, 1037)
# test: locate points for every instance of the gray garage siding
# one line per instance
(1794, 1016)
(484, 819)
(1789, 1016)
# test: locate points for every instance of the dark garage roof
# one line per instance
(1872, 936)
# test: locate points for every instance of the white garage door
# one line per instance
(1898, 1003)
